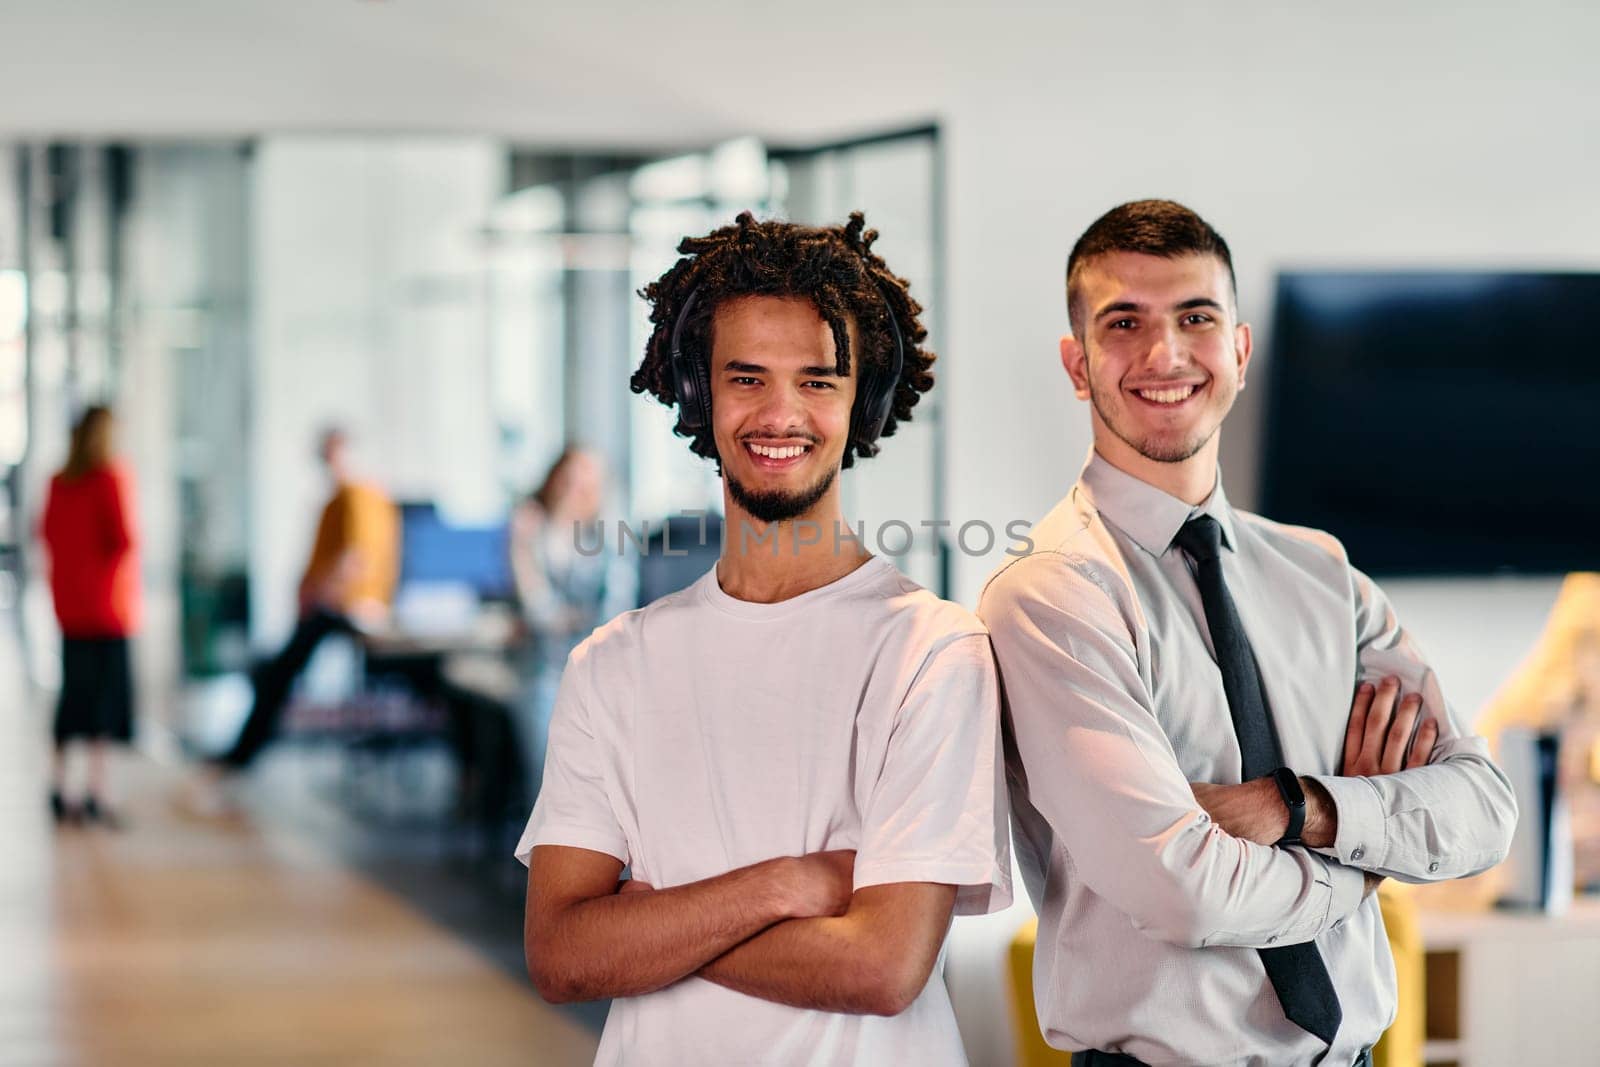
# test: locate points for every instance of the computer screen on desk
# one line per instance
(435, 551)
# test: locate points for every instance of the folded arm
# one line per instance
(1386, 733)
(1450, 818)
(874, 959)
(1100, 769)
(585, 941)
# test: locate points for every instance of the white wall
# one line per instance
(1307, 138)
(369, 292)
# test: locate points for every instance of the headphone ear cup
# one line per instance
(871, 412)
(875, 394)
(686, 385)
(691, 381)
(702, 385)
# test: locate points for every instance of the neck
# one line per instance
(768, 562)
(1190, 480)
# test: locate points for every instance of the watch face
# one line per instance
(1289, 786)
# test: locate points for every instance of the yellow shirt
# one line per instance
(360, 524)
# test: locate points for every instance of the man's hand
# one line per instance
(818, 885)
(1376, 739)
(1375, 742)
(824, 882)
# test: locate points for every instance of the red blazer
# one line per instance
(90, 531)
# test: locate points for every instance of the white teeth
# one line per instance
(1167, 396)
(778, 453)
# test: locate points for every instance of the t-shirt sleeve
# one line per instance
(938, 810)
(574, 806)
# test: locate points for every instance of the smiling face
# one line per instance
(1161, 359)
(780, 411)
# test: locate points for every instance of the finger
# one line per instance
(1378, 724)
(1357, 726)
(1399, 737)
(1422, 747)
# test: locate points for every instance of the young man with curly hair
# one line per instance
(1200, 819)
(797, 757)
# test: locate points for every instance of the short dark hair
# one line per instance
(834, 267)
(1151, 227)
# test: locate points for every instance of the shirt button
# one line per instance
(1271, 938)
(1433, 867)
(1357, 852)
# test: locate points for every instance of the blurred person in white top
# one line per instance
(797, 757)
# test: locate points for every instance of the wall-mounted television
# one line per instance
(1438, 422)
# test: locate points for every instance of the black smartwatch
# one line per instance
(1294, 798)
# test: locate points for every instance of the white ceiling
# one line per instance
(589, 73)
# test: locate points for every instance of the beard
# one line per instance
(1160, 451)
(778, 505)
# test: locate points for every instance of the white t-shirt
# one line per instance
(704, 733)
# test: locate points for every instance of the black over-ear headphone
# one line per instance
(691, 382)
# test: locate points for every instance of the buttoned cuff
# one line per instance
(1359, 840)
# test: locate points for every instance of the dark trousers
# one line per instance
(275, 678)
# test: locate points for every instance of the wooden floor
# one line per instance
(188, 940)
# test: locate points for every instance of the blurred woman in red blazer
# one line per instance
(90, 532)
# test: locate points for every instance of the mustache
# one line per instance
(797, 435)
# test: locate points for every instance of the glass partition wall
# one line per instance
(469, 307)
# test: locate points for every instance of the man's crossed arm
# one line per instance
(1383, 736)
(788, 930)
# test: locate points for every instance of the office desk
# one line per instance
(1507, 987)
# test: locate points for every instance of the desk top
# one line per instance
(1451, 925)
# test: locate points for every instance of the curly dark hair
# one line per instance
(834, 267)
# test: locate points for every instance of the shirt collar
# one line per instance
(1149, 515)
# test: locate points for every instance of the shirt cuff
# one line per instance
(1349, 889)
(1359, 840)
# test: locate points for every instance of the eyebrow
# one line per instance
(1186, 305)
(818, 371)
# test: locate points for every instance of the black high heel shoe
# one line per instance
(94, 813)
(63, 813)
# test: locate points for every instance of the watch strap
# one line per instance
(1294, 798)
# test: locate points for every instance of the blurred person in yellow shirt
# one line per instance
(348, 586)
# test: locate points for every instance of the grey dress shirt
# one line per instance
(1149, 914)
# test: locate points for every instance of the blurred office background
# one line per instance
(239, 224)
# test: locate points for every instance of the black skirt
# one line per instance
(96, 690)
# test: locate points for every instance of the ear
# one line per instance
(1242, 348)
(1075, 358)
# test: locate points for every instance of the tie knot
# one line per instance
(1201, 537)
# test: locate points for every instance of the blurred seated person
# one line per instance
(348, 587)
(569, 578)
(91, 535)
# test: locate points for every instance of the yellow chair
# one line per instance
(1031, 1049)
(1401, 1045)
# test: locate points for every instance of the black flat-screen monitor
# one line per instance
(1438, 423)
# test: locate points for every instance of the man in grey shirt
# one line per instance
(1201, 812)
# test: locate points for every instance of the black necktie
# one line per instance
(1297, 972)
